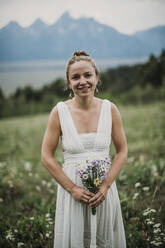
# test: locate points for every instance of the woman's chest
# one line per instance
(86, 122)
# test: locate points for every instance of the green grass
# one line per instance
(28, 193)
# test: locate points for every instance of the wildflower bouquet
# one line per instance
(92, 175)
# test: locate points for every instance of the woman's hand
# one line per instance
(99, 197)
(80, 194)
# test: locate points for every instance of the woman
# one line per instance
(85, 125)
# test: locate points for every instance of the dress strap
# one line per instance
(103, 137)
(70, 137)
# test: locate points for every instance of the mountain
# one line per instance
(154, 36)
(61, 39)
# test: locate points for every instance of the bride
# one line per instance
(86, 124)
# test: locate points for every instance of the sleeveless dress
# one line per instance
(72, 218)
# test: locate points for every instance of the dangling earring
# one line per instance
(97, 91)
(70, 95)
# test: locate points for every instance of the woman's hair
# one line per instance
(80, 56)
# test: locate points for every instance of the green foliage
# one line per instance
(136, 84)
(28, 193)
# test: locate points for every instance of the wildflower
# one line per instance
(135, 196)
(20, 244)
(38, 188)
(47, 235)
(43, 182)
(10, 235)
(157, 230)
(10, 184)
(157, 225)
(85, 176)
(47, 215)
(138, 184)
(146, 188)
(31, 218)
(49, 184)
(1, 200)
(97, 181)
(156, 243)
(148, 211)
(150, 222)
(27, 166)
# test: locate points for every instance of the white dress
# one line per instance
(72, 219)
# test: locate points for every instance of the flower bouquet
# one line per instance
(92, 174)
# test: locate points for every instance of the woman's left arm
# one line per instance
(119, 140)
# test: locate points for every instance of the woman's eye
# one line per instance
(88, 75)
(75, 77)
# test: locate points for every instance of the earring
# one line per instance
(70, 95)
(97, 91)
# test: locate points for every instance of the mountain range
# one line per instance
(61, 39)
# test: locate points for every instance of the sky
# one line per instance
(127, 16)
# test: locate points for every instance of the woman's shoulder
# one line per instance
(113, 107)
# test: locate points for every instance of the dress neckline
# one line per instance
(98, 123)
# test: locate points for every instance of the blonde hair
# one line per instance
(80, 56)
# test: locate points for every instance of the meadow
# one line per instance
(28, 193)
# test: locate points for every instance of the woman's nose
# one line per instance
(83, 80)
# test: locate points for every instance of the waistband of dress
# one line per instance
(92, 155)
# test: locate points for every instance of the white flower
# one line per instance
(43, 182)
(27, 166)
(157, 225)
(20, 244)
(146, 188)
(10, 184)
(150, 223)
(1, 200)
(10, 235)
(31, 218)
(138, 184)
(135, 196)
(152, 211)
(2, 164)
(49, 184)
(38, 188)
(47, 215)
(85, 176)
(156, 243)
(157, 230)
(148, 211)
(48, 234)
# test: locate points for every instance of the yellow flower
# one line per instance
(97, 181)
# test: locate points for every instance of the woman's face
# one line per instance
(82, 78)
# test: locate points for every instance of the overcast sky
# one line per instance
(127, 16)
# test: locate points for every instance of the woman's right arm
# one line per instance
(49, 145)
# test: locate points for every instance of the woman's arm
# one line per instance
(119, 140)
(49, 145)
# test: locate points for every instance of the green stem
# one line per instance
(93, 211)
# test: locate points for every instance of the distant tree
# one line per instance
(28, 92)
(2, 102)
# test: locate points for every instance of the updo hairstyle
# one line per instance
(80, 56)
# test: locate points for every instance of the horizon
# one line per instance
(126, 16)
(67, 12)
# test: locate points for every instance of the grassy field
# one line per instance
(28, 193)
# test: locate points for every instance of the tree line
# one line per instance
(140, 83)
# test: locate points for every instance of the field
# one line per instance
(28, 193)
